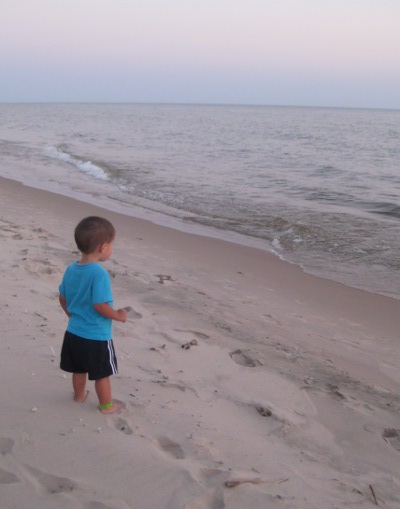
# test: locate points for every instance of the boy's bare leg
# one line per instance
(79, 385)
(103, 391)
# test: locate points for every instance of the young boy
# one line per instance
(86, 297)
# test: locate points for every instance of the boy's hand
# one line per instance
(104, 309)
(121, 315)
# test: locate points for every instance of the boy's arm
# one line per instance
(63, 304)
(104, 309)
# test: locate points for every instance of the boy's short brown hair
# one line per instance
(92, 232)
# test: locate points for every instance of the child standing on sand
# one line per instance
(86, 297)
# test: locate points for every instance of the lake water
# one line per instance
(319, 187)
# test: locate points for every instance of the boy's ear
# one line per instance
(103, 246)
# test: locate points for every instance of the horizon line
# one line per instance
(210, 104)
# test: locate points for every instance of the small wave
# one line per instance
(329, 196)
(60, 153)
(328, 171)
(386, 209)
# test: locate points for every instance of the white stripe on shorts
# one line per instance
(111, 352)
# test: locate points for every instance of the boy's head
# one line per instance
(92, 232)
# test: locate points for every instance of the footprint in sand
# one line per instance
(44, 234)
(6, 445)
(392, 437)
(96, 505)
(189, 344)
(263, 411)
(273, 423)
(8, 477)
(245, 358)
(132, 313)
(49, 484)
(335, 391)
(164, 277)
(171, 448)
(123, 426)
(120, 424)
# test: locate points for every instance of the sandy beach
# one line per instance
(247, 383)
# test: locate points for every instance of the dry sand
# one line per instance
(288, 396)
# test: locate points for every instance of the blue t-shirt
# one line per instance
(83, 286)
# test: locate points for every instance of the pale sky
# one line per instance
(274, 52)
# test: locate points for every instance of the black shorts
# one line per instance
(96, 358)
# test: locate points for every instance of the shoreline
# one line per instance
(157, 218)
(291, 388)
(147, 224)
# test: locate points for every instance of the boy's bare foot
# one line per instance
(82, 398)
(114, 408)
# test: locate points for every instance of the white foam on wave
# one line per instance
(85, 166)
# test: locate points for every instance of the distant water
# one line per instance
(320, 187)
